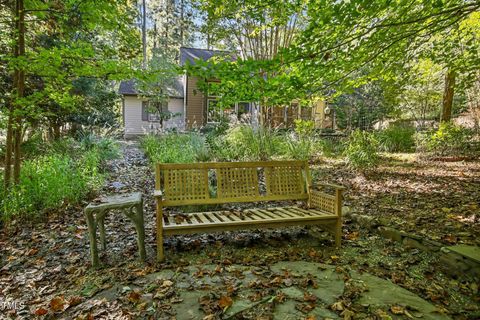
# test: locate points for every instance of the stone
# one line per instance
(390, 233)
(469, 252)
(412, 243)
(189, 308)
(292, 293)
(365, 221)
(330, 283)
(287, 311)
(461, 260)
(383, 293)
(117, 185)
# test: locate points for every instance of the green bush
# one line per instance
(300, 148)
(397, 138)
(449, 139)
(361, 150)
(176, 148)
(62, 171)
(245, 143)
(330, 147)
(49, 181)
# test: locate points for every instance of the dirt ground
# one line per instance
(45, 267)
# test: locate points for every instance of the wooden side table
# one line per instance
(130, 204)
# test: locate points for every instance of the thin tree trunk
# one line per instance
(144, 33)
(448, 96)
(7, 175)
(182, 9)
(20, 88)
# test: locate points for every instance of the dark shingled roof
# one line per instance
(190, 54)
(174, 91)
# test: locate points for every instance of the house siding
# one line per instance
(133, 124)
(195, 104)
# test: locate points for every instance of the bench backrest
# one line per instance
(225, 182)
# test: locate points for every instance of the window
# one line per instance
(214, 112)
(150, 113)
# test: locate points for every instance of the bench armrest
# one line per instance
(327, 202)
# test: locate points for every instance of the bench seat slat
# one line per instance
(259, 216)
(275, 213)
(285, 212)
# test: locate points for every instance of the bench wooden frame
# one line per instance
(189, 184)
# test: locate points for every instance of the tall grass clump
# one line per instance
(397, 138)
(50, 181)
(448, 140)
(64, 172)
(176, 148)
(361, 150)
(243, 143)
(300, 144)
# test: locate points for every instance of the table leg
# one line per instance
(92, 235)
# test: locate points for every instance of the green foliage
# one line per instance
(51, 181)
(245, 143)
(56, 173)
(106, 147)
(299, 148)
(449, 139)
(304, 127)
(361, 150)
(397, 138)
(301, 145)
(176, 148)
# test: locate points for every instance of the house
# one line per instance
(192, 109)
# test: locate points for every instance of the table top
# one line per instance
(115, 201)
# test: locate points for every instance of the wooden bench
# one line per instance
(235, 182)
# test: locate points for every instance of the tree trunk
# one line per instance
(20, 88)
(448, 96)
(144, 33)
(7, 175)
(182, 9)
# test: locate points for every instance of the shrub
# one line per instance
(397, 138)
(245, 143)
(50, 181)
(449, 139)
(300, 148)
(300, 144)
(361, 150)
(176, 148)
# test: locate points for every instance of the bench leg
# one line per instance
(160, 253)
(338, 233)
(92, 235)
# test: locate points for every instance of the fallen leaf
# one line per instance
(41, 312)
(225, 302)
(57, 304)
(397, 309)
(337, 306)
(134, 296)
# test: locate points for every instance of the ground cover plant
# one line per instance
(58, 174)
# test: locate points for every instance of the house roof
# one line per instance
(191, 54)
(175, 90)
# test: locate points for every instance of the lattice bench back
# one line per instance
(225, 182)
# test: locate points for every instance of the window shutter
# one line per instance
(144, 111)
